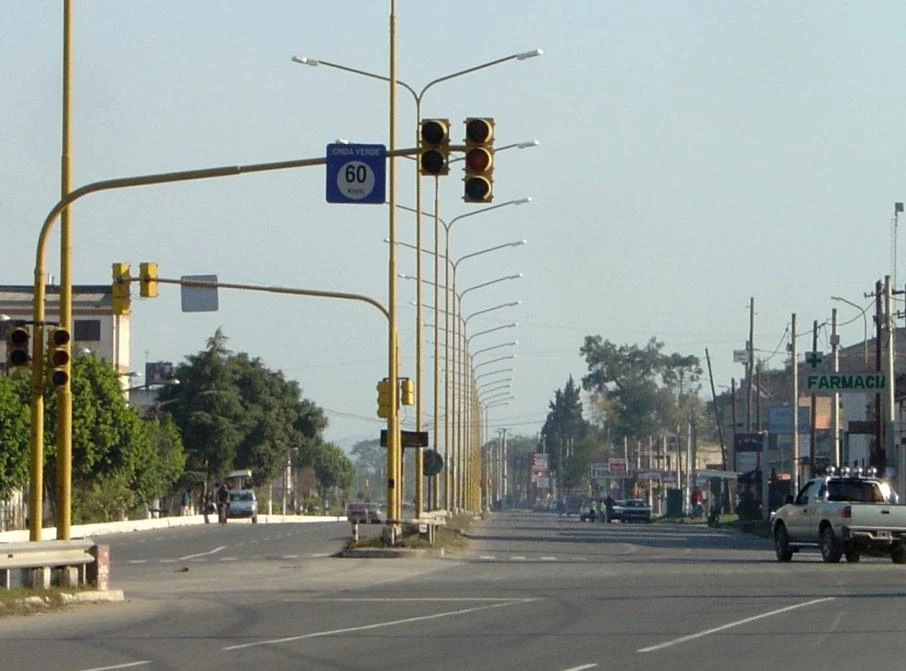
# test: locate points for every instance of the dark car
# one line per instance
(632, 510)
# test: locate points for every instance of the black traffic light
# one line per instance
(59, 356)
(434, 147)
(478, 183)
(17, 352)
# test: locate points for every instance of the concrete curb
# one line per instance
(393, 553)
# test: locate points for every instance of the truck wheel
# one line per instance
(830, 549)
(782, 544)
(852, 555)
(898, 554)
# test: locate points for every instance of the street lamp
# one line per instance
(864, 323)
(417, 98)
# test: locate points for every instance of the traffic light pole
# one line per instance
(36, 500)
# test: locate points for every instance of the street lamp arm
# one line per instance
(314, 62)
(518, 201)
(515, 243)
(496, 307)
(496, 328)
(517, 57)
(493, 347)
(485, 284)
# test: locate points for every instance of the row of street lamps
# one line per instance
(452, 408)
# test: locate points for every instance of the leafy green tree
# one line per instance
(333, 469)
(236, 413)
(370, 462)
(14, 435)
(117, 464)
(562, 433)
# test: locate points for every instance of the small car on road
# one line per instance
(243, 504)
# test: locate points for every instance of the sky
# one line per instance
(692, 156)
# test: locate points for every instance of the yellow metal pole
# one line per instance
(448, 381)
(394, 472)
(64, 391)
(419, 453)
(435, 499)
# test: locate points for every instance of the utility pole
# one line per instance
(794, 431)
(878, 458)
(890, 429)
(835, 409)
(733, 417)
(717, 414)
(813, 423)
(750, 347)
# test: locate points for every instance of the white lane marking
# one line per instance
(320, 555)
(582, 668)
(297, 556)
(119, 666)
(137, 561)
(497, 599)
(548, 558)
(517, 557)
(229, 559)
(487, 557)
(691, 637)
(377, 625)
(203, 554)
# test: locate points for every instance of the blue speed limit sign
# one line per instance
(356, 173)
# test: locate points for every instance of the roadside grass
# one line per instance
(27, 601)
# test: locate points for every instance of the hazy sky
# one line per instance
(693, 155)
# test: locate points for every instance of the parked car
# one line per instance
(243, 504)
(357, 512)
(632, 510)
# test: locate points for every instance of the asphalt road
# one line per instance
(533, 591)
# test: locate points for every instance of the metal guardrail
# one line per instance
(38, 560)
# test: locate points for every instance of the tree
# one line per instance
(333, 469)
(563, 430)
(14, 435)
(117, 464)
(236, 413)
(370, 462)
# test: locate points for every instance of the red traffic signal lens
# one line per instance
(478, 160)
(18, 337)
(477, 189)
(433, 132)
(433, 162)
(479, 131)
(60, 337)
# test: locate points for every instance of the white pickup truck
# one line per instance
(844, 515)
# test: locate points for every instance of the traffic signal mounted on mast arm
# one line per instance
(59, 356)
(120, 288)
(147, 279)
(478, 183)
(17, 352)
(434, 147)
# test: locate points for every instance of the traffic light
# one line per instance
(407, 391)
(17, 353)
(147, 279)
(478, 182)
(434, 145)
(383, 398)
(59, 356)
(120, 288)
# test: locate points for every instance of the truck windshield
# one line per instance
(860, 491)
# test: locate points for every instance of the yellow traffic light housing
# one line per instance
(120, 289)
(434, 147)
(407, 391)
(383, 398)
(17, 351)
(147, 279)
(59, 356)
(478, 183)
